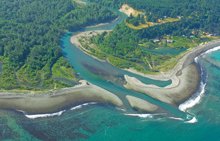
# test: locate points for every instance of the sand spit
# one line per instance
(141, 105)
(189, 81)
(59, 99)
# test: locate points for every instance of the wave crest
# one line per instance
(54, 114)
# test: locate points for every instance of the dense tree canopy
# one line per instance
(30, 36)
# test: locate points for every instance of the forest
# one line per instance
(30, 41)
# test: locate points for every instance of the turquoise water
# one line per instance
(107, 123)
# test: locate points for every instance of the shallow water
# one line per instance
(96, 122)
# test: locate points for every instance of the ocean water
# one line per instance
(95, 122)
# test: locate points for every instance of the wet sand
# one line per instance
(141, 105)
(58, 100)
(189, 81)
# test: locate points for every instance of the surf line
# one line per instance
(35, 116)
(197, 97)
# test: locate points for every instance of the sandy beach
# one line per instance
(189, 81)
(141, 105)
(58, 99)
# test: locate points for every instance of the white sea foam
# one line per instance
(85, 104)
(45, 115)
(54, 114)
(194, 100)
(120, 109)
(175, 118)
(211, 50)
(145, 115)
(193, 120)
(141, 115)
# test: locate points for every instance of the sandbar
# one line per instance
(58, 99)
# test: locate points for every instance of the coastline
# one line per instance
(58, 99)
(189, 81)
(185, 76)
(184, 61)
(55, 100)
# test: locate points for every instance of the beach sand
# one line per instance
(141, 105)
(189, 81)
(59, 99)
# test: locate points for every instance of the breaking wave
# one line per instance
(35, 116)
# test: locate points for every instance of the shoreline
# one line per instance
(59, 99)
(38, 102)
(189, 82)
(185, 75)
(184, 61)
(186, 78)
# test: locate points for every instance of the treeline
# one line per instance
(136, 48)
(205, 13)
(30, 37)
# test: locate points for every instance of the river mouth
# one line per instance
(108, 77)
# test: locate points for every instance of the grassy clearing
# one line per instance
(128, 10)
(168, 20)
(150, 24)
(140, 26)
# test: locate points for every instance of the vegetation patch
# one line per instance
(128, 10)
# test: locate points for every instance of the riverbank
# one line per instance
(85, 36)
(183, 62)
(58, 99)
